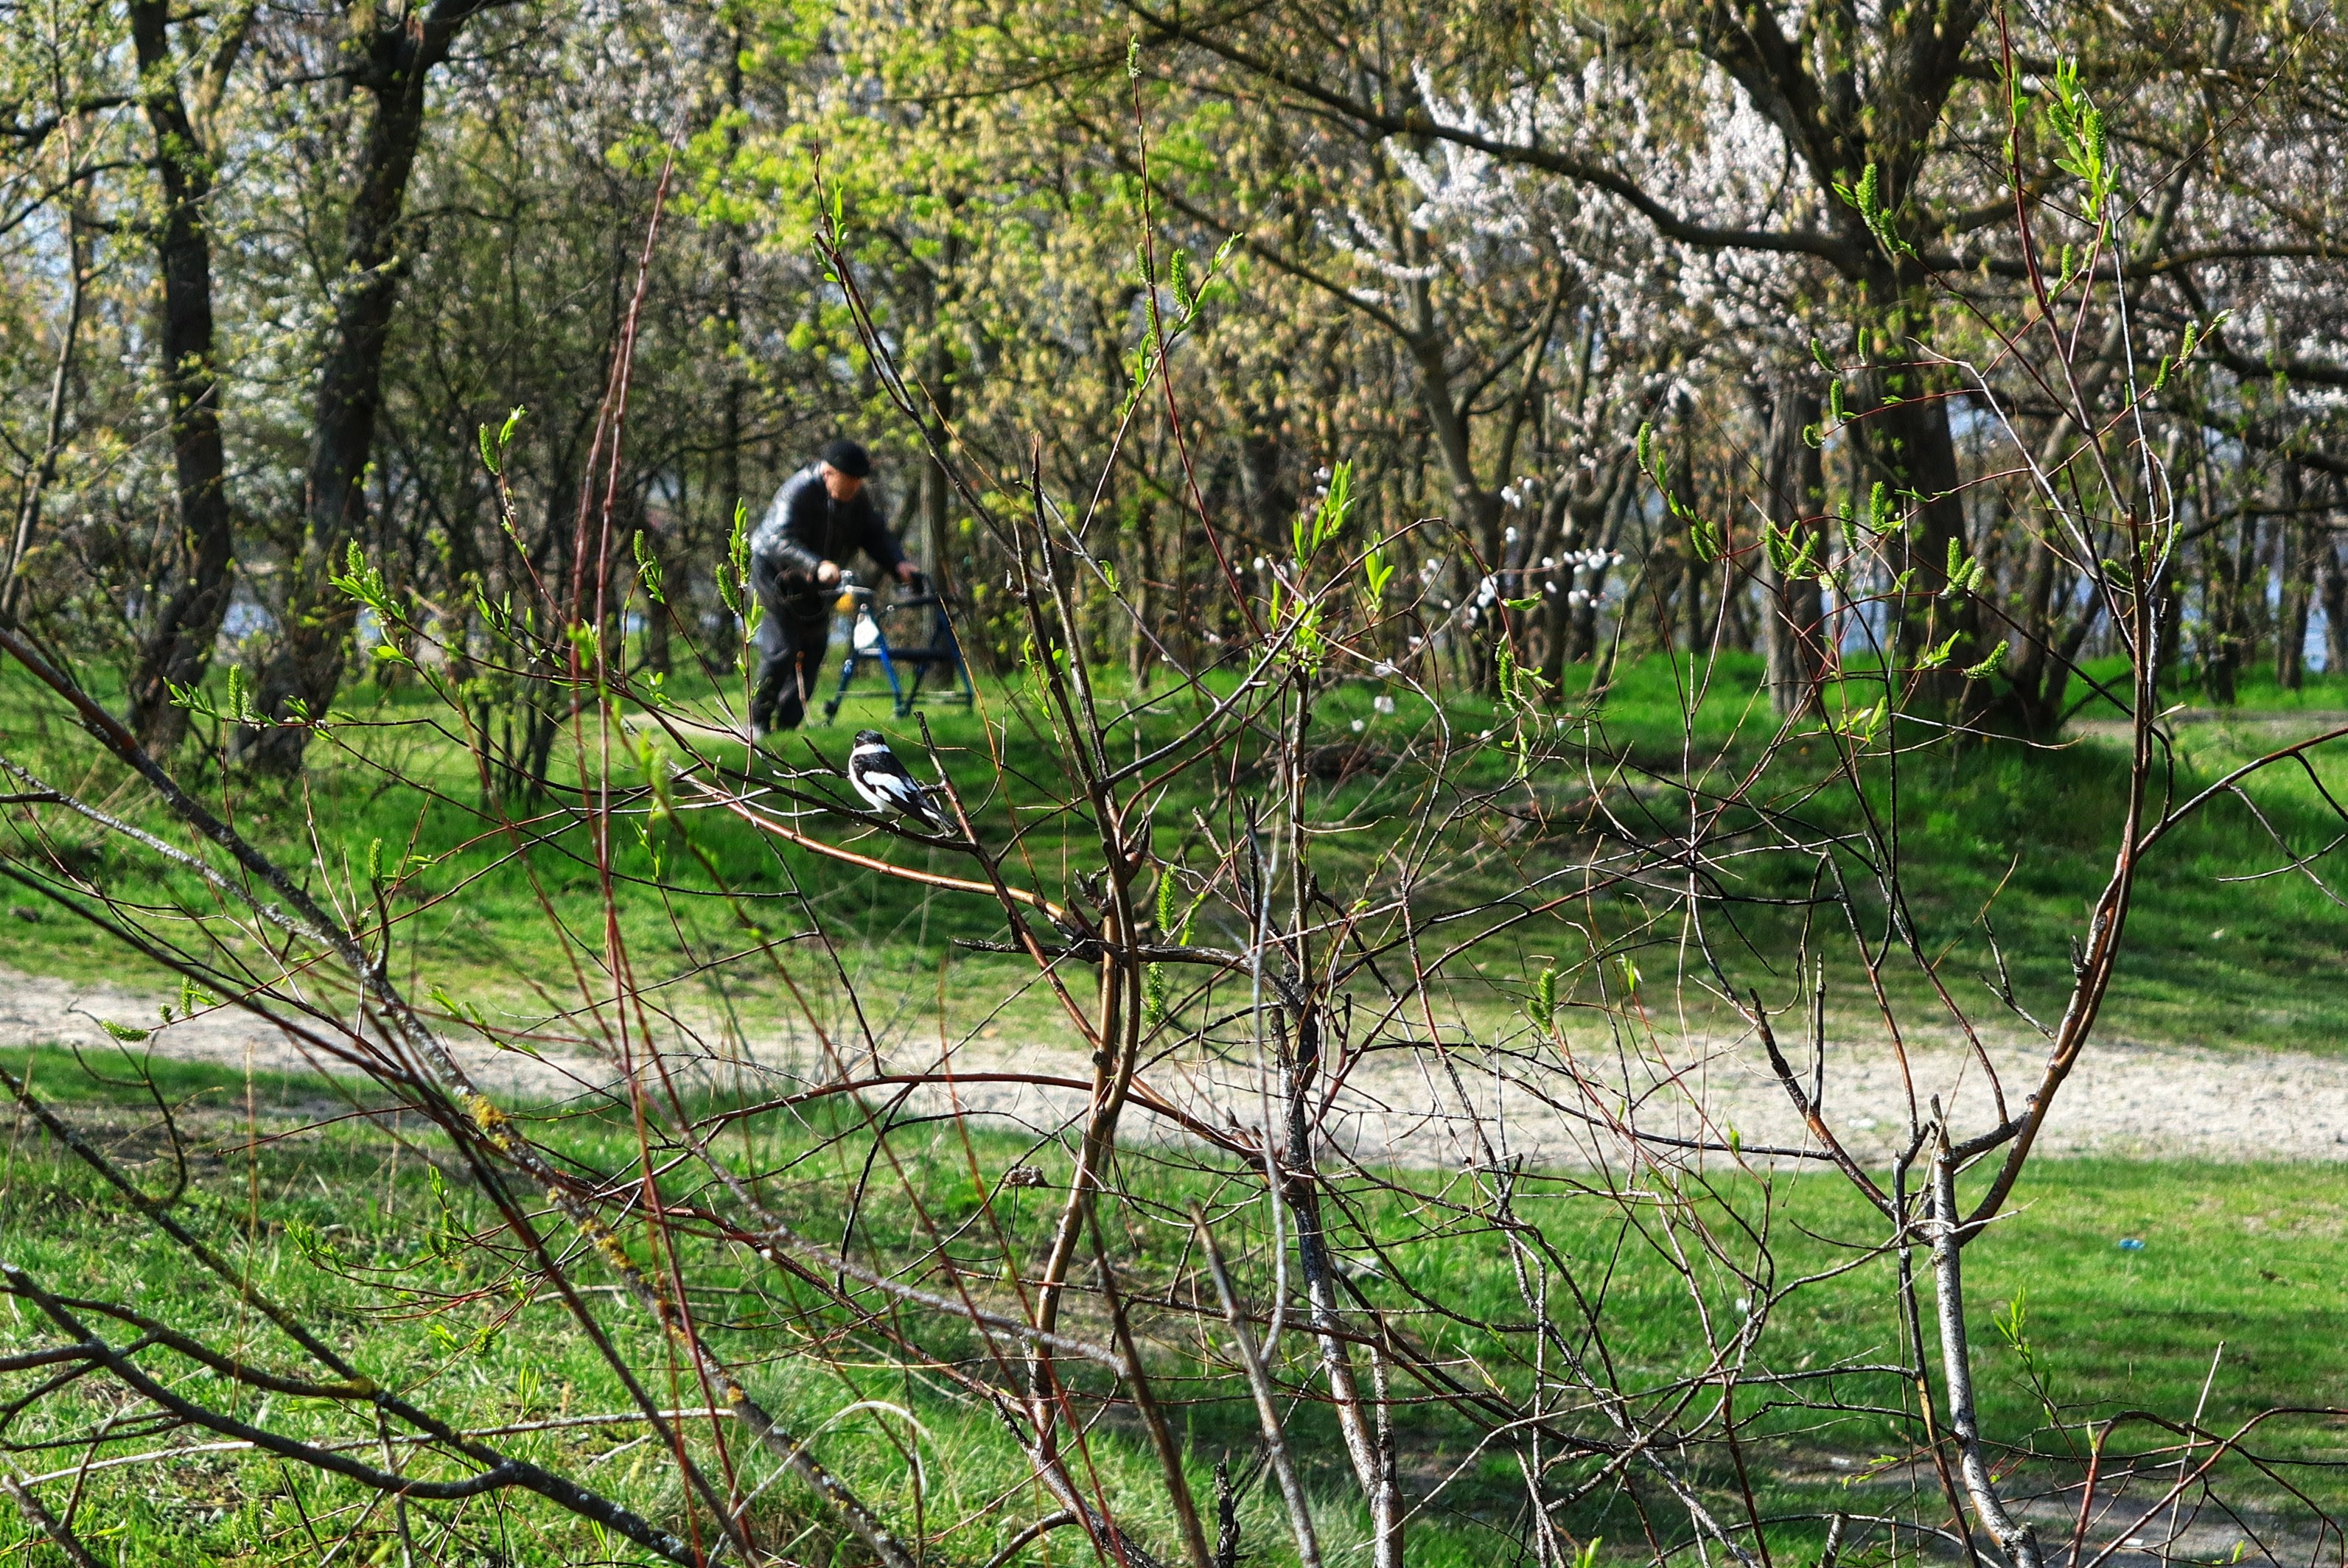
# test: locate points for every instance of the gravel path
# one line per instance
(35, 1010)
(2169, 1102)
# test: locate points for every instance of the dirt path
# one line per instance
(2253, 726)
(2168, 1101)
(35, 1010)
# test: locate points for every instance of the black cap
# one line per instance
(848, 457)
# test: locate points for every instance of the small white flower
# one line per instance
(1322, 473)
(1510, 536)
(1549, 587)
(1359, 726)
(1258, 563)
(1382, 703)
(1548, 563)
(1417, 641)
(1381, 669)
(1578, 598)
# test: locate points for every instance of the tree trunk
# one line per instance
(2172, 621)
(1558, 530)
(305, 668)
(1693, 568)
(53, 428)
(2224, 620)
(1794, 623)
(1141, 653)
(937, 489)
(176, 648)
(2295, 543)
(1909, 444)
(658, 656)
(1478, 517)
(715, 649)
(2332, 577)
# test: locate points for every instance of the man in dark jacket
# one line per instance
(822, 515)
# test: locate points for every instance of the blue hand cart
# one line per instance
(868, 642)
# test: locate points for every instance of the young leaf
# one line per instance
(1626, 970)
(1337, 504)
(1791, 557)
(1703, 538)
(648, 568)
(1988, 666)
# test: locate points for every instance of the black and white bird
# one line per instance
(875, 772)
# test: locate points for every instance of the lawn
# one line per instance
(499, 903)
(349, 1221)
(491, 905)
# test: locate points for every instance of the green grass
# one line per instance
(2228, 946)
(352, 1227)
(340, 1218)
(1992, 836)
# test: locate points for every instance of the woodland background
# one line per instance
(1646, 672)
(268, 269)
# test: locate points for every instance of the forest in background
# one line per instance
(1636, 879)
(270, 269)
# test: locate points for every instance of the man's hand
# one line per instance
(827, 572)
(907, 571)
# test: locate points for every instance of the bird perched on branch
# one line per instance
(874, 772)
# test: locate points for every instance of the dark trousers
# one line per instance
(792, 641)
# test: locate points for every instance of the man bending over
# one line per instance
(823, 514)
